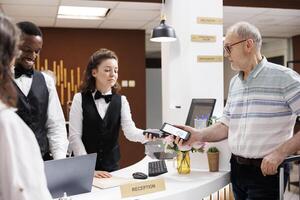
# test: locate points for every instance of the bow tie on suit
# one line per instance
(107, 98)
(19, 71)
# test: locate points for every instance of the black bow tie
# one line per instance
(19, 71)
(98, 95)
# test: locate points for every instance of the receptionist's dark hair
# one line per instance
(89, 81)
(9, 39)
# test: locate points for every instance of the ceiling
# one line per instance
(272, 22)
(123, 15)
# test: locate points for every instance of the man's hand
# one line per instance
(102, 174)
(194, 137)
(271, 162)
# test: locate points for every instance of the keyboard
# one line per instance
(156, 168)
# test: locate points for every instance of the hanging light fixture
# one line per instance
(163, 32)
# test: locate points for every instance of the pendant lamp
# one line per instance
(163, 32)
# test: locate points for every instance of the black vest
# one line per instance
(33, 109)
(101, 135)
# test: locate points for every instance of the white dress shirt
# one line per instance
(22, 174)
(55, 124)
(75, 127)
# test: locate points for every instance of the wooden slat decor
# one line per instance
(65, 84)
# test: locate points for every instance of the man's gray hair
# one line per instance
(245, 30)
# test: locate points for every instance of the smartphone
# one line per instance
(170, 129)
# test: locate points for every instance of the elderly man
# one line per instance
(258, 120)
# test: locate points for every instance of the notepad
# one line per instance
(114, 181)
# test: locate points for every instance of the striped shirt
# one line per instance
(261, 111)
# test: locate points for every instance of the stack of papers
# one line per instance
(111, 182)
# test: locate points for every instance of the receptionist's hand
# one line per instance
(102, 174)
(150, 137)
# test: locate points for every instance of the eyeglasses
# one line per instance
(227, 48)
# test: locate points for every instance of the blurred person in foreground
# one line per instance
(22, 174)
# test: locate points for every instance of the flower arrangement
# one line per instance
(171, 145)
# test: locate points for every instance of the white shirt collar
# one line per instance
(106, 93)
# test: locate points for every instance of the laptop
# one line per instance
(71, 175)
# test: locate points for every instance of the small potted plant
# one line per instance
(213, 159)
(212, 120)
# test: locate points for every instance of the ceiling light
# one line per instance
(163, 32)
(78, 12)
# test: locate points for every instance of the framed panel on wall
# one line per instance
(277, 60)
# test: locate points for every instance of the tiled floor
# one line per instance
(293, 194)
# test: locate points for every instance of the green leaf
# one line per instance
(213, 150)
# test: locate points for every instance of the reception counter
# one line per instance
(197, 185)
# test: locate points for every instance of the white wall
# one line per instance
(182, 77)
(153, 98)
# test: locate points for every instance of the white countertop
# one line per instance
(198, 184)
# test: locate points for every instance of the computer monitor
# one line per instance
(199, 108)
(71, 175)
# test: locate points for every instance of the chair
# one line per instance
(281, 174)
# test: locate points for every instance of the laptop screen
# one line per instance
(71, 175)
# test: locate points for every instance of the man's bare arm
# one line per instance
(214, 133)
(271, 162)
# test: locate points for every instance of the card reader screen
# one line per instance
(175, 131)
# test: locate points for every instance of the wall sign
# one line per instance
(204, 58)
(209, 20)
(203, 38)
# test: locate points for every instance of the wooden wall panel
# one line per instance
(69, 50)
(139, 1)
(286, 4)
(296, 52)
